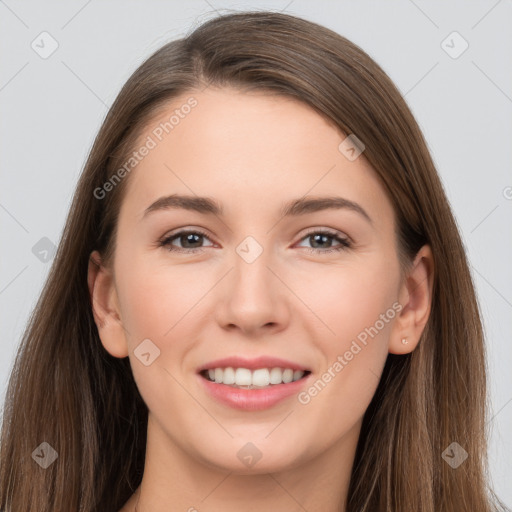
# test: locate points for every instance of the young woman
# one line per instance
(260, 300)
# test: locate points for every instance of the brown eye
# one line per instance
(190, 241)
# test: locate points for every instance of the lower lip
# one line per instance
(253, 399)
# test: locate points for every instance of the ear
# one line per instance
(416, 299)
(105, 307)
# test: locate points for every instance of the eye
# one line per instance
(322, 237)
(185, 238)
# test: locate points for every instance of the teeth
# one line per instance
(260, 378)
(243, 377)
(276, 376)
(297, 374)
(287, 375)
(228, 376)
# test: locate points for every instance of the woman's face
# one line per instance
(253, 281)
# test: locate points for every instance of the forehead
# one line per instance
(248, 150)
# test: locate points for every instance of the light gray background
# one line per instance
(53, 107)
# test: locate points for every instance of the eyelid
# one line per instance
(182, 231)
(327, 231)
(345, 242)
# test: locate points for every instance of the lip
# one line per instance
(253, 399)
(252, 364)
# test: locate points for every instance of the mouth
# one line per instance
(253, 384)
(259, 378)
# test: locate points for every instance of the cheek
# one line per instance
(155, 299)
(348, 299)
(162, 306)
(357, 306)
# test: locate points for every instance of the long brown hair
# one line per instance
(67, 391)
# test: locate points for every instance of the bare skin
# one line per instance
(252, 153)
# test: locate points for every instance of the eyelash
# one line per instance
(344, 242)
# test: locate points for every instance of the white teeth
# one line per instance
(242, 377)
(260, 378)
(228, 376)
(276, 376)
(287, 375)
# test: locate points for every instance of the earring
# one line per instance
(404, 341)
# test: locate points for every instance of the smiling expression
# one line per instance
(246, 232)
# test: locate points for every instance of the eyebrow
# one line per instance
(302, 206)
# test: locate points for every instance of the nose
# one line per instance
(252, 297)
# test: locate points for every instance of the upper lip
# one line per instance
(252, 364)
